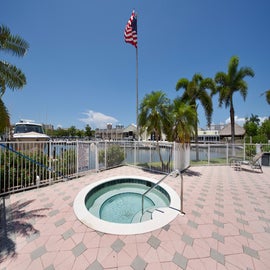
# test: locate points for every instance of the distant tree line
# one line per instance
(71, 132)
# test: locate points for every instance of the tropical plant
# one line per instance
(10, 76)
(88, 131)
(196, 90)
(114, 156)
(67, 165)
(13, 167)
(154, 117)
(267, 94)
(254, 119)
(230, 83)
(251, 126)
(154, 113)
(72, 132)
(251, 129)
(265, 128)
(256, 133)
(184, 121)
(4, 116)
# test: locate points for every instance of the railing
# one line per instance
(175, 173)
(25, 165)
(220, 154)
(155, 185)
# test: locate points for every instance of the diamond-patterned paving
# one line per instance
(226, 226)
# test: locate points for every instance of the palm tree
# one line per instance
(251, 126)
(185, 121)
(267, 95)
(4, 116)
(154, 116)
(255, 119)
(196, 89)
(10, 76)
(230, 83)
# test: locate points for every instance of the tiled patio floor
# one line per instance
(226, 226)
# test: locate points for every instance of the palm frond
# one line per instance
(207, 104)
(153, 112)
(208, 83)
(2, 87)
(13, 44)
(185, 121)
(243, 88)
(11, 76)
(197, 78)
(182, 83)
(221, 78)
(246, 71)
(267, 93)
(4, 116)
(232, 67)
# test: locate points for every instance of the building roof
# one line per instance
(131, 127)
(226, 131)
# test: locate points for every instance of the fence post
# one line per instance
(244, 158)
(182, 194)
(97, 157)
(50, 161)
(150, 147)
(174, 154)
(77, 159)
(125, 152)
(105, 155)
(209, 154)
(227, 153)
(135, 153)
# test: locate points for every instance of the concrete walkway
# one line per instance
(226, 226)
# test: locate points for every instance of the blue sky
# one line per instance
(80, 71)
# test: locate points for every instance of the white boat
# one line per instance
(28, 130)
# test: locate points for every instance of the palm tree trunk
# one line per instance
(232, 125)
(158, 148)
(232, 128)
(196, 141)
(160, 157)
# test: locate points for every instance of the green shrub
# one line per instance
(114, 155)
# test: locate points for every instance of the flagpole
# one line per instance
(137, 84)
(130, 35)
(137, 95)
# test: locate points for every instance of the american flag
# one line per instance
(131, 30)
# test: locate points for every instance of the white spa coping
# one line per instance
(159, 218)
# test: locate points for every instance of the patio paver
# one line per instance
(226, 226)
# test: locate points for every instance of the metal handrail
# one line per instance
(175, 172)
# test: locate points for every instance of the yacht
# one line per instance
(28, 130)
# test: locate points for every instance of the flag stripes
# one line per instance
(131, 30)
